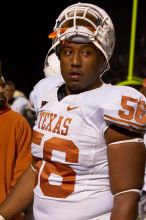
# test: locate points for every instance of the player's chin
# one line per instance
(74, 86)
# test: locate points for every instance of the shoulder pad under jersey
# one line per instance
(42, 88)
(126, 107)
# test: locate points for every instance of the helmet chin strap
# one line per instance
(107, 67)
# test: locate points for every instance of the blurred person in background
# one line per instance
(15, 140)
(15, 98)
(9, 89)
(18, 102)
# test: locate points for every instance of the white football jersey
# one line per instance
(68, 137)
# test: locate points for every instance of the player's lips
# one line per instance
(74, 75)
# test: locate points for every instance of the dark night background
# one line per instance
(25, 26)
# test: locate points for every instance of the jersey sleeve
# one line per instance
(126, 107)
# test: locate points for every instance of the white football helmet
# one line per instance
(83, 23)
(51, 65)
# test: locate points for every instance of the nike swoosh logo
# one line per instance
(69, 108)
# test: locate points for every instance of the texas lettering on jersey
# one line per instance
(54, 123)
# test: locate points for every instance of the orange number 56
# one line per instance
(131, 111)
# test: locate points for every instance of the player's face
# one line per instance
(9, 92)
(81, 66)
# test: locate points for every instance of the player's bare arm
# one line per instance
(21, 195)
(126, 158)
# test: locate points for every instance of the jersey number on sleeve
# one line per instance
(131, 112)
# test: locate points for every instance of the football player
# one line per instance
(87, 147)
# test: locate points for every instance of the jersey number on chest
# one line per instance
(56, 178)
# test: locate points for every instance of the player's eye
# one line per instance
(67, 51)
(85, 52)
